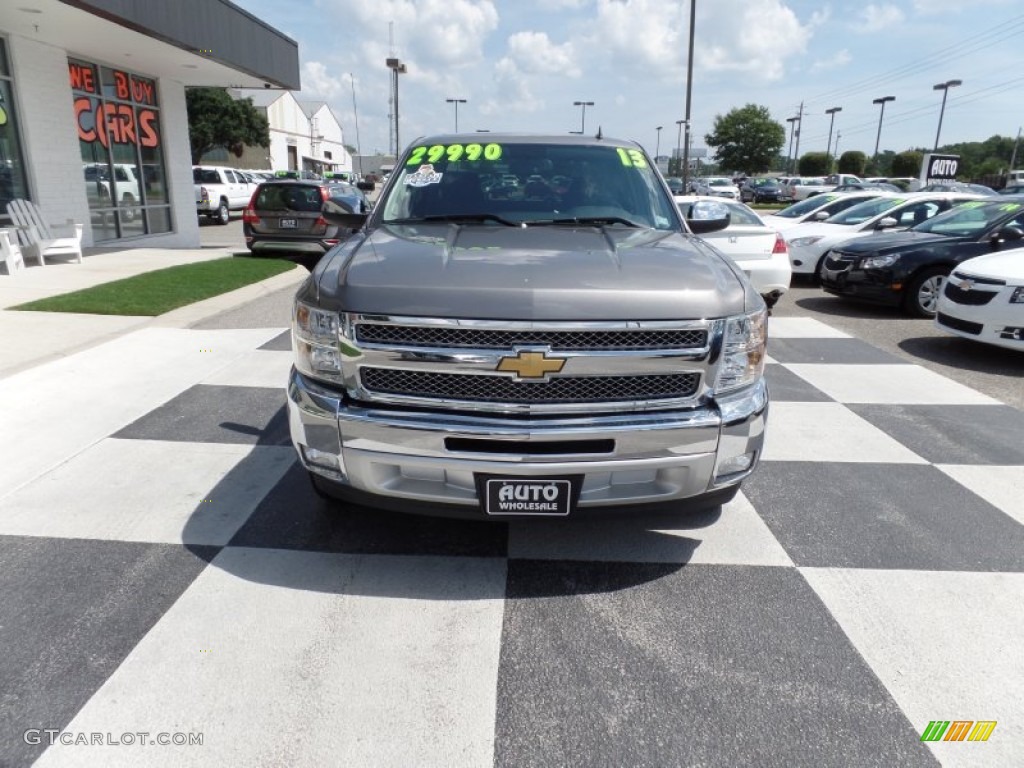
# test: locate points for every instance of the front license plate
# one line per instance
(528, 496)
(287, 223)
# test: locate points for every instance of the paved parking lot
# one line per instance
(867, 581)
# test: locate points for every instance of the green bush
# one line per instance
(814, 164)
(853, 162)
(907, 164)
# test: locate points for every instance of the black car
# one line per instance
(761, 191)
(909, 268)
(284, 218)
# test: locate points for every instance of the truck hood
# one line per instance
(531, 273)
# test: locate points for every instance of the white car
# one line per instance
(984, 300)
(817, 208)
(718, 186)
(752, 245)
(809, 243)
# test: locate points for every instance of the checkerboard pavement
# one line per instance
(165, 567)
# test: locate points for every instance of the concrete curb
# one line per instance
(183, 317)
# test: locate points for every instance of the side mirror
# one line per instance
(366, 186)
(341, 215)
(1009, 233)
(703, 226)
(821, 215)
(887, 223)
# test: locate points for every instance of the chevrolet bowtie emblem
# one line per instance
(531, 365)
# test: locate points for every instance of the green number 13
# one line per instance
(632, 158)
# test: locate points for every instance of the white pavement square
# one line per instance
(147, 490)
(312, 659)
(262, 368)
(946, 645)
(802, 328)
(829, 432)
(888, 384)
(1002, 487)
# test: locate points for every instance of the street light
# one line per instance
(689, 90)
(881, 114)
(944, 87)
(583, 116)
(792, 130)
(657, 146)
(456, 102)
(397, 68)
(828, 150)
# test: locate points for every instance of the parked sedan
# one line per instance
(809, 243)
(761, 191)
(983, 300)
(817, 208)
(752, 245)
(284, 217)
(717, 186)
(909, 268)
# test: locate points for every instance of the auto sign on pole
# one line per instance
(935, 168)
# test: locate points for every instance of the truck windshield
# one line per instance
(531, 183)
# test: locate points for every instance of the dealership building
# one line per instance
(93, 125)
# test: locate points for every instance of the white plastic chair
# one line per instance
(10, 252)
(38, 238)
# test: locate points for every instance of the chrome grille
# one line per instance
(556, 340)
(504, 389)
(838, 261)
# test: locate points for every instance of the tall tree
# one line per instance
(217, 120)
(907, 163)
(746, 139)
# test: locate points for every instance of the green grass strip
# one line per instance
(153, 293)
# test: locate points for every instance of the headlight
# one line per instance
(743, 348)
(804, 241)
(317, 336)
(1018, 296)
(879, 262)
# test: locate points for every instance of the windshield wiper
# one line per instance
(456, 218)
(589, 221)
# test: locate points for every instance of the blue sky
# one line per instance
(521, 65)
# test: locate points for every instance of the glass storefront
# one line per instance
(120, 143)
(12, 163)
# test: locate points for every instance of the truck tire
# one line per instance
(921, 297)
(223, 215)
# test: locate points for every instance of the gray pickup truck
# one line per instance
(561, 345)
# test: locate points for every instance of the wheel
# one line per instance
(223, 215)
(921, 296)
(128, 212)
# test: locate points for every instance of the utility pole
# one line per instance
(355, 112)
(689, 90)
(789, 154)
(1013, 157)
(799, 127)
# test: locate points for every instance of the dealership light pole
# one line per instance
(689, 91)
(792, 130)
(397, 68)
(944, 87)
(828, 150)
(657, 146)
(456, 102)
(881, 114)
(355, 113)
(583, 115)
(679, 149)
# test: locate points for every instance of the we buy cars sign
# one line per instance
(939, 168)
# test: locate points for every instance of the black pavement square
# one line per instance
(831, 351)
(292, 516)
(885, 516)
(786, 386)
(216, 414)
(737, 665)
(953, 434)
(280, 343)
(71, 611)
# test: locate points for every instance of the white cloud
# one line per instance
(838, 59)
(317, 82)
(877, 17)
(534, 53)
(513, 91)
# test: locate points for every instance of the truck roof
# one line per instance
(523, 138)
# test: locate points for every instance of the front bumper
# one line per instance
(432, 458)
(875, 285)
(999, 323)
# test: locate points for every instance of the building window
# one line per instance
(12, 163)
(119, 138)
(328, 156)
